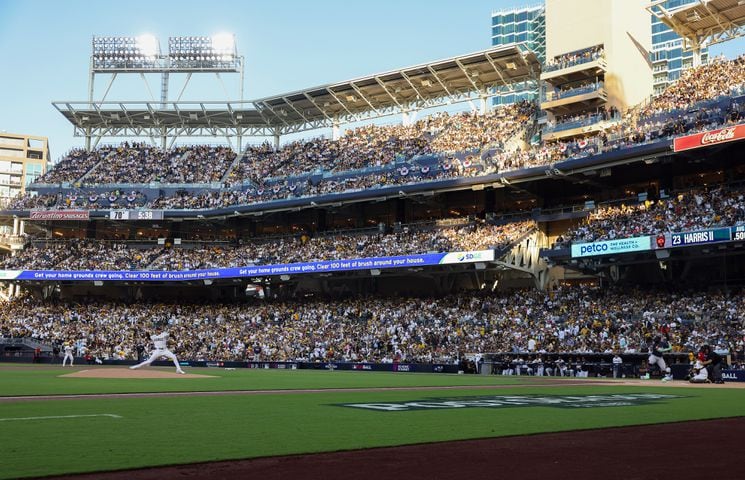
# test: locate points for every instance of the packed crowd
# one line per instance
(99, 255)
(717, 78)
(687, 211)
(569, 319)
(378, 156)
(142, 163)
(74, 165)
(308, 249)
(376, 146)
(306, 187)
(78, 199)
(79, 255)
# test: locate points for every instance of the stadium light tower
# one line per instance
(116, 55)
(142, 54)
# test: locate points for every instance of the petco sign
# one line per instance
(624, 245)
(713, 137)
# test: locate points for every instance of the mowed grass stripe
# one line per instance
(161, 431)
(47, 380)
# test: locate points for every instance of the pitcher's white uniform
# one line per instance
(68, 355)
(161, 350)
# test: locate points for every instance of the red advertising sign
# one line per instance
(714, 137)
(59, 215)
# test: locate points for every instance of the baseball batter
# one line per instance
(659, 347)
(68, 354)
(161, 350)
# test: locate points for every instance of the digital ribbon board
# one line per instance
(700, 237)
(325, 266)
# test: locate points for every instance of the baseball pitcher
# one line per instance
(161, 350)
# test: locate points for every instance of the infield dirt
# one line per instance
(127, 373)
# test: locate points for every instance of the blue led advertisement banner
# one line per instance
(426, 259)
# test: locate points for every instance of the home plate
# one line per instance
(127, 373)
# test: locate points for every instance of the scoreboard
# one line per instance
(135, 214)
(701, 237)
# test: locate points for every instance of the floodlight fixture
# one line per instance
(216, 52)
(224, 44)
(148, 46)
(125, 53)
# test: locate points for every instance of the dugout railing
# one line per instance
(577, 364)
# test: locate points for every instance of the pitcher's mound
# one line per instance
(127, 373)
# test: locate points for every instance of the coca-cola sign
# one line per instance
(698, 140)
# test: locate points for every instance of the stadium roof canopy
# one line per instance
(703, 22)
(458, 79)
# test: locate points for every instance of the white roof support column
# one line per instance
(335, 131)
(277, 139)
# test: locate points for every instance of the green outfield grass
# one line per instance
(175, 430)
(46, 380)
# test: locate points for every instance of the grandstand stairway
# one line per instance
(229, 170)
(519, 141)
(94, 167)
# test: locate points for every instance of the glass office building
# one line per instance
(667, 55)
(525, 26)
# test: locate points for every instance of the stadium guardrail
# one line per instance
(575, 365)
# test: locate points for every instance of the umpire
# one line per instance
(713, 364)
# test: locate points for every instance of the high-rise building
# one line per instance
(593, 73)
(23, 159)
(525, 26)
(667, 55)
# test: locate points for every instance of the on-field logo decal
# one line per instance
(508, 401)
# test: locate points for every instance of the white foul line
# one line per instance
(110, 415)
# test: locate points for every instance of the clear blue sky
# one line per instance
(45, 46)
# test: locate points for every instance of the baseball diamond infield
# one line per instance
(113, 423)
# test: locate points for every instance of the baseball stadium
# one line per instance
(524, 259)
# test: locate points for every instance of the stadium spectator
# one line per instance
(89, 254)
(375, 156)
(577, 320)
(686, 211)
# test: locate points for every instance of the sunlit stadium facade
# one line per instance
(527, 26)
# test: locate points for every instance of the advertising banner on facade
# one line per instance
(378, 263)
(610, 247)
(76, 215)
(705, 139)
